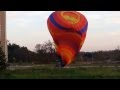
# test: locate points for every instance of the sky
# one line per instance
(28, 28)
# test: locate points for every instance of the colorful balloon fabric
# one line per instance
(68, 29)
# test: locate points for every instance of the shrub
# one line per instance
(2, 59)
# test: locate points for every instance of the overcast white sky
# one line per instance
(28, 28)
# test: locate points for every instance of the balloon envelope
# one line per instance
(68, 30)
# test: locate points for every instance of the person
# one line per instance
(60, 62)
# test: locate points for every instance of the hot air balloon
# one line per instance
(68, 30)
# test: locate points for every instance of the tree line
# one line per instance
(45, 54)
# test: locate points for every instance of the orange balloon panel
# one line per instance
(68, 29)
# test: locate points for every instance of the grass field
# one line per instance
(62, 73)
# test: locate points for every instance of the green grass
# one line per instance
(63, 73)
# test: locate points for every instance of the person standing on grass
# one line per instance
(60, 62)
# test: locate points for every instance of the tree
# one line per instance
(18, 54)
(45, 52)
(2, 59)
